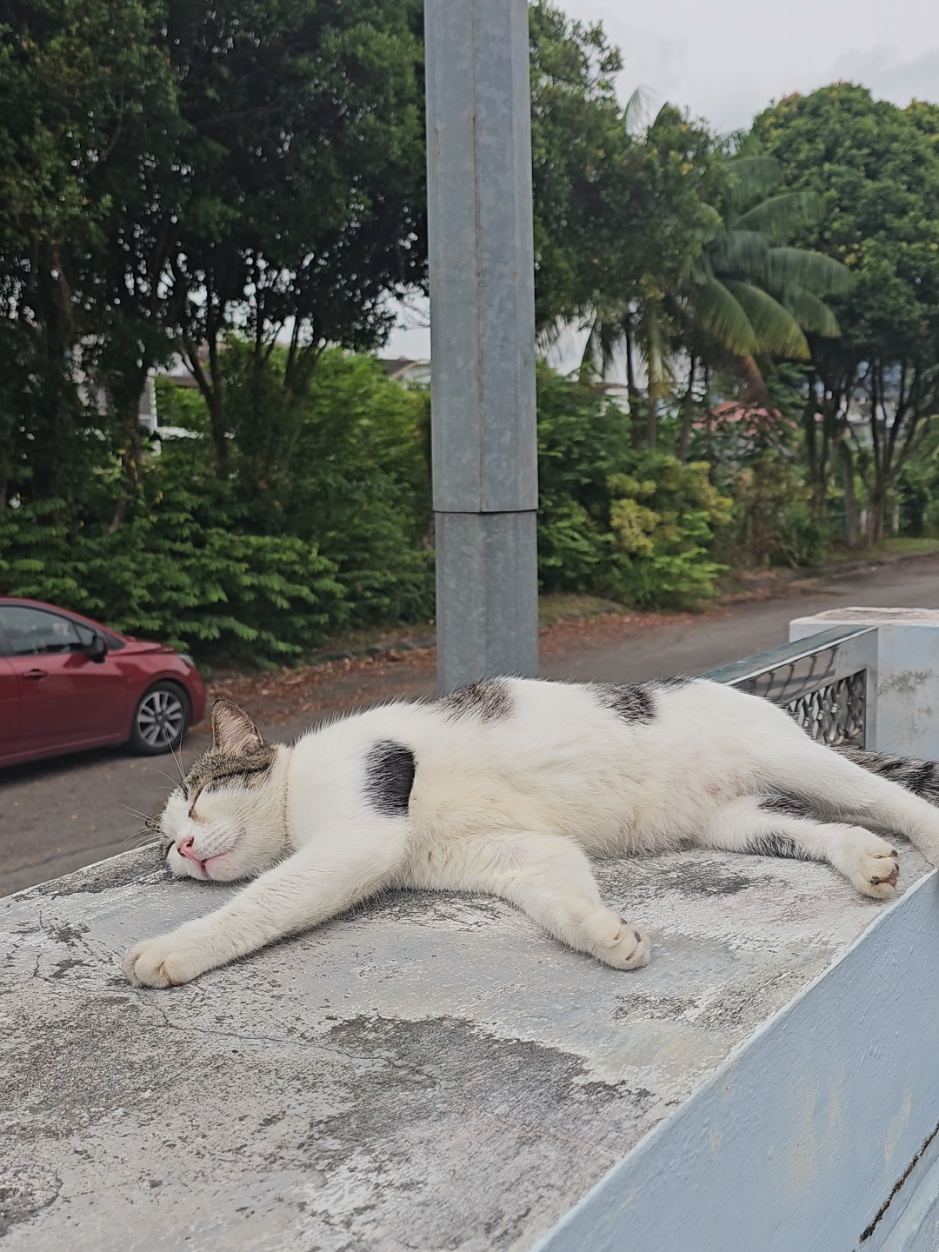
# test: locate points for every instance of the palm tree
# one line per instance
(750, 291)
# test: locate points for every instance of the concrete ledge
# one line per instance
(809, 1136)
(430, 1071)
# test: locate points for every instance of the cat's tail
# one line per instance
(920, 777)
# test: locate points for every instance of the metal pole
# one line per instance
(482, 338)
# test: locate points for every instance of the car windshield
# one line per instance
(35, 632)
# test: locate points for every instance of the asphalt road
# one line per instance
(56, 816)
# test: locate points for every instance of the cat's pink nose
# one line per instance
(184, 848)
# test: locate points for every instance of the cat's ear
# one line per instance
(233, 731)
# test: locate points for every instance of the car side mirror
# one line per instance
(99, 648)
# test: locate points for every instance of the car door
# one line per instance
(9, 709)
(66, 698)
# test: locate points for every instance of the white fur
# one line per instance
(514, 806)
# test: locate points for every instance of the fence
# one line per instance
(823, 682)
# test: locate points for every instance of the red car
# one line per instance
(68, 683)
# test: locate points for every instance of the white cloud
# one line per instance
(889, 76)
(727, 60)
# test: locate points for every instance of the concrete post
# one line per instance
(907, 692)
(482, 337)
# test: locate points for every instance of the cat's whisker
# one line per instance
(178, 762)
(152, 769)
(135, 812)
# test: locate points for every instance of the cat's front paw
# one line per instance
(617, 942)
(168, 961)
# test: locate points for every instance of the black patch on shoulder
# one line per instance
(777, 845)
(489, 699)
(389, 777)
(631, 703)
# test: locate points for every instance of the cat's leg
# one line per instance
(309, 887)
(549, 878)
(808, 771)
(765, 828)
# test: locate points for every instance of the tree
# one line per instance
(303, 179)
(621, 210)
(751, 292)
(876, 168)
(82, 89)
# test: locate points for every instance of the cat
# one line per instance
(506, 787)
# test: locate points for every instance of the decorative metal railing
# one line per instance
(826, 682)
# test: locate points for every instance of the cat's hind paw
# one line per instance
(617, 942)
(876, 869)
(168, 961)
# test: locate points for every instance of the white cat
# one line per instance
(506, 787)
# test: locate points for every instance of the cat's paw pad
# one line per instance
(876, 868)
(617, 942)
(163, 962)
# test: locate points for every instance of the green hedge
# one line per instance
(320, 520)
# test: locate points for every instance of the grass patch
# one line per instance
(890, 548)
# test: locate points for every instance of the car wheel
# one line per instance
(161, 719)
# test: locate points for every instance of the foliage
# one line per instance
(876, 169)
(242, 186)
(177, 570)
(249, 567)
(344, 465)
(636, 526)
(615, 212)
(750, 292)
(305, 186)
(172, 172)
(84, 93)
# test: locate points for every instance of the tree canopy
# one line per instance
(875, 168)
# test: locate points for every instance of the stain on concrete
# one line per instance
(25, 1190)
(905, 682)
(693, 877)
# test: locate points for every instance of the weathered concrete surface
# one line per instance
(428, 1072)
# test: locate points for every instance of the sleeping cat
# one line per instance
(507, 786)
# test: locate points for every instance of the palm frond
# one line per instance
(811, 313)
(740, 252)
(780, 215)
(777, 331)
(718, 312)
(797, 267)
(752, 176)
(638, 112)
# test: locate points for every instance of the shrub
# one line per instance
(636, 526)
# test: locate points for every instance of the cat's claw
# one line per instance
(877, 869)
(617, 942)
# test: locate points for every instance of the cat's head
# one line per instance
(227, 818)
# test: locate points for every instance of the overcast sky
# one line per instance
(728, 59)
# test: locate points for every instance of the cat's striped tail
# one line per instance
(920, 777)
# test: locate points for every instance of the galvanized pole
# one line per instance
(482, 338)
